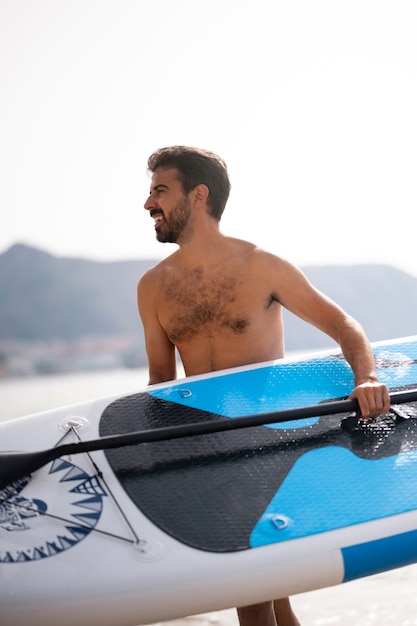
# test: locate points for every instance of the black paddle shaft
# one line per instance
(16, 465)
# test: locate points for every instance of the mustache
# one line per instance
(153, 212)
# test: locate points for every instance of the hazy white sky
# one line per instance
(312, 104)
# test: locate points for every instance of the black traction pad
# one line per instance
(209, 491)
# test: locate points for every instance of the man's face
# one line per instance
(169, 206)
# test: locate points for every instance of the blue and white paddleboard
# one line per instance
(176, 526)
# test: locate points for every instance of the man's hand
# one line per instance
(373, 398)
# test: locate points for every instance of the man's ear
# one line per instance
(201, 193)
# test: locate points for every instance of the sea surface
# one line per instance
(385, 599)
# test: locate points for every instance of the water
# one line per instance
(388, 599)
(23, 396)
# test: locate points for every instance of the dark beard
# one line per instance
(176, 224)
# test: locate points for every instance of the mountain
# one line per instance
(66, 314)
(46, 298)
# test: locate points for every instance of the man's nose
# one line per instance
(150, 203)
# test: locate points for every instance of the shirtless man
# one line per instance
(219, 300)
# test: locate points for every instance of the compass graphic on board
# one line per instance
(53, 515)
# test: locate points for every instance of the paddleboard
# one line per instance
(181, 525)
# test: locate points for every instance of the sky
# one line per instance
(311, 103)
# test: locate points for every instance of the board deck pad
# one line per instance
(197, 489)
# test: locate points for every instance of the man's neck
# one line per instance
(203, 247)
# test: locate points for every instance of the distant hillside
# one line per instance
(45, 297)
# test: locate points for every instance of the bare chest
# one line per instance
(195, 303)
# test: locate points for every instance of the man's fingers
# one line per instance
(373, 399)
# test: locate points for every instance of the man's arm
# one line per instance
(160, 350)
(373, 396)
(299, 296)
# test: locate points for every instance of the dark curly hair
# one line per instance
(195, 167)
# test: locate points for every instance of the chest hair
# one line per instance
(201, 303)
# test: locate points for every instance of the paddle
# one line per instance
(16, 465)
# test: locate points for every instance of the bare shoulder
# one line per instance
(272, 262)
(250, 251)
(152, 276)
(263, 263)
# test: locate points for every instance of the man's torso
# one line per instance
(220, 317)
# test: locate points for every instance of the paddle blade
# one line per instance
(17, 465)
